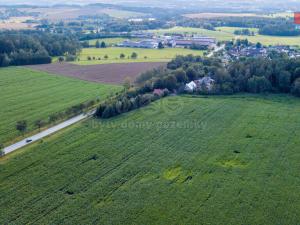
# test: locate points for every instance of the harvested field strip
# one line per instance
(110, 73)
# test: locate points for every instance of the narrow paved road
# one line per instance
(46, 133)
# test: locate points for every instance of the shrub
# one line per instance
(296, 88)
(71, 58)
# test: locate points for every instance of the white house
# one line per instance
(190, 86)
(205, 82)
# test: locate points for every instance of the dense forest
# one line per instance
(33, 47)
(277, 74)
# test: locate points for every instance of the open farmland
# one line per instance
(213, 160)
(32, 95)
(58, 13)
(227, 33)
(264, 39)
(144, 55)
(16, 23)
(109, 41)
(107, 73)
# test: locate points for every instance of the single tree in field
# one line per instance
(134, 55)
(160, 45)
(21, 126)
(103, 45)
(98, 44)
(122, 56)
(39, 124)
(106, 57)
(258, 45)
(61, 59)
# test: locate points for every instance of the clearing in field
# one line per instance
(143, 55)
(218, 160)
(104, 73)
(32, 95)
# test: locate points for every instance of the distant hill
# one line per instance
(214, 5)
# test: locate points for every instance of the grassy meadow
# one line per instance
(264, 39)
(181, 160)
(144, 55)
(32, 95)
(109, 41)
(227, 33)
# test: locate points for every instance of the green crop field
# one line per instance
(264, 39)
(182, 160)
(109, 41)
(226, 34)
(31, 95)
(144, 55)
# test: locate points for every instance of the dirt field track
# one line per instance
(106, 73)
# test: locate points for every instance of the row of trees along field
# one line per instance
(266, 26)
(254, 75)
(34, 47)
(23, 125)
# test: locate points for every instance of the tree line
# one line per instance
(267, 26)
(22, 125)
(277, 74)
(34, 47)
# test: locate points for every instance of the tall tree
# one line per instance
(21, 126)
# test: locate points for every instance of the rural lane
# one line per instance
(47, 132)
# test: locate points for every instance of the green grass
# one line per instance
(31, 95)
(108, 41)
(226, 34)
(152, 55)
(264, 39)
(182, 160)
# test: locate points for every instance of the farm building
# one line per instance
(201, 41)
(160, 92)
(190, 86)
(139, 44)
